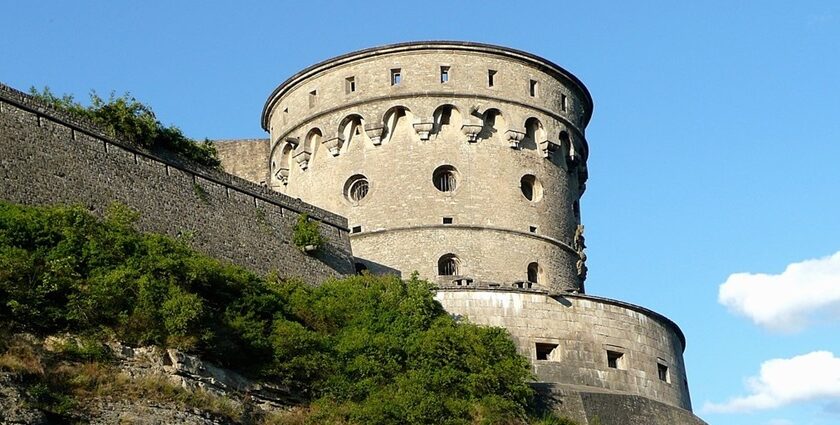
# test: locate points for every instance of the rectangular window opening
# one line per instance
(533, 229)
(615, 359)
(349, 84)
(356, 229)
(491, 74)
(444, 74)
(545, 351)
(312, 95)
(563, 102)
(663, 373)
(396, 76)
(447, 220)
(532, 86)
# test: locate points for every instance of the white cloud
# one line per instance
(788, 300)
(812, 376)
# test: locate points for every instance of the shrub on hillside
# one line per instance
(363, 349)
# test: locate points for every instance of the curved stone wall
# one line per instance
(571, 339)
(392, 116)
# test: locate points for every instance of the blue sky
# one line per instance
(715, 146)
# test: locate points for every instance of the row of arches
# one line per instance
(447, 122)
(451, 265)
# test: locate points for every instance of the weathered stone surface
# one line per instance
(244, 158)
(13, 406)
(464, 122)
(49, 158)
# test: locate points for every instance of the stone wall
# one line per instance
(247, 158)
(344, 119)
(47, 157)
(584, 329)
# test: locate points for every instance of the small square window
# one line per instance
(447, 220)
(532, 229)
(615, 359)
(662, 370)
(444, 74)
(545, 351)
(491, 74)
(396, 76)
(349, 84)
(356, 229)
(533, 86)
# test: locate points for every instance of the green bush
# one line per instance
(126, 117)
(364, 349)
(306, 233)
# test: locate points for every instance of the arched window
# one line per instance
(445, 178)
(493, 123)
(534, 134)
(449, 265)
(531, 187)
(534, 273)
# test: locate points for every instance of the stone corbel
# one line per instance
(302, 158)
(547, 147)
(283, 175)
(374, 132)
(334, 144)
(424, 128)
(514, 138)
(471, 129)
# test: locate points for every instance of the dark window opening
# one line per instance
(444, 178)
(444, 74)
(448, 265)
(396, 76)
(356, 188)
(663, 372)
(563, 102)
(356, 229)
(447, 220)
(545, 350)
(350, 84)
(491, 74)
(534, 273)
(532, 85)
(312, 95)
(615, 359)
(533, 229)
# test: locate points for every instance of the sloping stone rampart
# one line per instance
(48, 157)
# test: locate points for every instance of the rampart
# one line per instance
(50, 157)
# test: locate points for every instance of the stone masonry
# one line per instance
(47, 157)
(466, 163)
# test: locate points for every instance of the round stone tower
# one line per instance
(462, 161)
(466, 162)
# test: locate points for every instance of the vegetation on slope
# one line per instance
(126, 117)
(363, 349)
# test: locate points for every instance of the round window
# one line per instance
(445, 178)
(531, 187)
(356, 188)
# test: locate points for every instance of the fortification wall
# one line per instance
(393, 116)
(247, 158)
(571, 339)
(47, 157)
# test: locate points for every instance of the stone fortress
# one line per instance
(466, 162)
